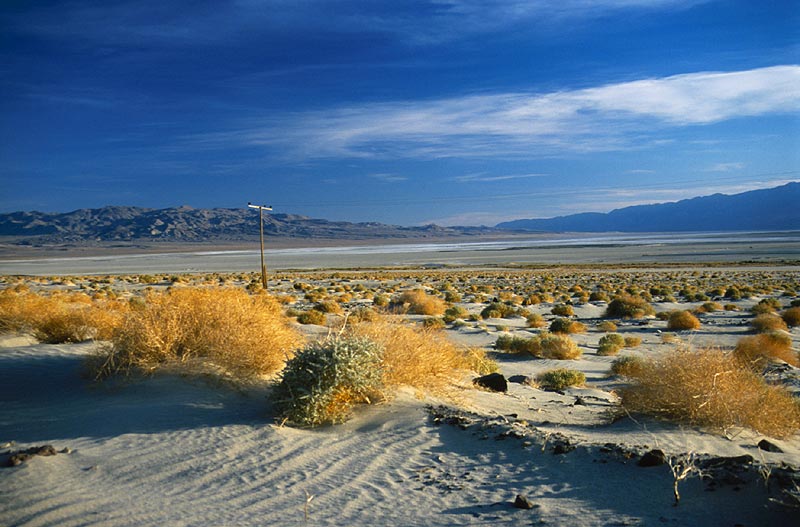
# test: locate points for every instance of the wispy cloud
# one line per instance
(640, 171)
(486, 178)
(604, 118)
(725, 167)
(389, 178)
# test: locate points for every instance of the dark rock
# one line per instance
(520, 379)
(563, 448)
(18, 458)
(522, 502)
(579, 401)
(494, 381)
(769, 446)
(653, 458)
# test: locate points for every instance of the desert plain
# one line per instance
(192, 446)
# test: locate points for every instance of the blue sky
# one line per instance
(410, 112)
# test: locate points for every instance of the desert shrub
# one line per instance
(433, 323)
(598, 296)
(362, 314)
(417, 302)
(563, 310)
(452, 297)
(709, 307)
(560, 378)
(710, 388)
(791, 316)
(499, 310)
(420, 357)
(756, 350)
(323, 382)
(535, 320)
(243, 335)
(767, 322)
(610, 344)
(663, 315)
(607, 326)
(64, 317)
(632, 342)
(454, 313)
(312, 316)
(565, 325)
(514, 344)
(682, 320)
(629, 306)
(380, 301)
(766, 305)
(328, 306)
(554, 346)
(627, 366)
(731, 307)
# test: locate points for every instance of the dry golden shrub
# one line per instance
(245, 335)
(708, 387)
(418, 302)
(682, 320)
(420, 357)
(61, 317)
(791, 316)
(607, 326)
(556, 346)
(767, 322)
(756, 350)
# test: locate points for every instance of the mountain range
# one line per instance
(768, 209)
(775, 208)
(187, 224)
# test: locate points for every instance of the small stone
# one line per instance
(769, 446)
(653, 458)
(579, 401)
(522, 502)
(494, 381)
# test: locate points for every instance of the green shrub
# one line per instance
(514, 344)
(323, 382)
(499, 310)
(766, 305)
(560, 378)
(610, 344)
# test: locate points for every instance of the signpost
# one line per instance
(261, 209)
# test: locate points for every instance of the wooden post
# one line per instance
(261, 209)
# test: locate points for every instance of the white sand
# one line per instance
(178, 451)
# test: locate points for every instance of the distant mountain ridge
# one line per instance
(187, 224)
(775, 208)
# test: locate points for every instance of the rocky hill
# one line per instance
(759, 210)
(186, 224)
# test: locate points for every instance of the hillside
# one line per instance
(186, 224)
(768, 209)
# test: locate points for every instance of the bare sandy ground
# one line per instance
(176, 450)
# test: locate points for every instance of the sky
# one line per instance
(455, 112)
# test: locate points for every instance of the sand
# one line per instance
(178, 450)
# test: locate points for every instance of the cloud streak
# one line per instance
(604, 118)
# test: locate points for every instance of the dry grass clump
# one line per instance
(607, 326)
(709, 387)
(500, 310)
(555, 346)
(682, 320)
(61, 317)
(563, 310)
(756, 350)
(792, 316)
(567, 326)
(242, 334)
(560, 378)
(514, 344)
(632, 342)
(313, 317)
(420, 357)
(629, 306)
(417, 302)
(709, 307)
(766, 305)
(627, 366)
(767, 322)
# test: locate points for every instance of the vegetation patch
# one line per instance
(560, 378)
(629, 306)
(710, 388)
(682, 321)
